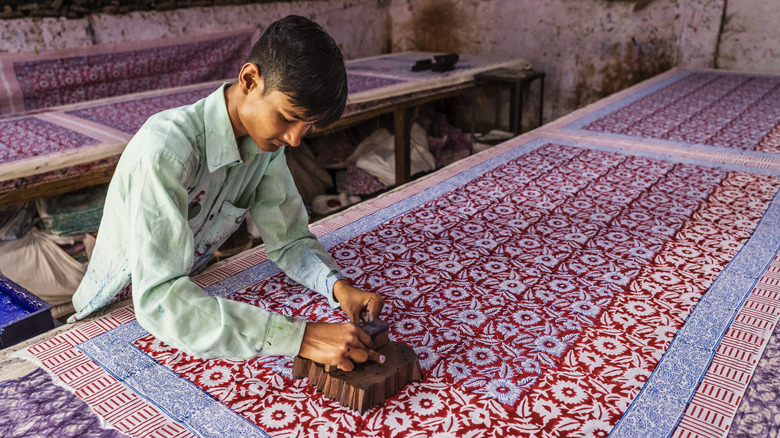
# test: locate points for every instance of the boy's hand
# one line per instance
(337, 345)
(354, 302)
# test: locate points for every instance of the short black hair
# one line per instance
(298, 58)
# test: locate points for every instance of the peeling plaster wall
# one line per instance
(360, 27)
(699, 22)
(750, 39)
(588, 49)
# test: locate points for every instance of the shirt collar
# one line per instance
(221, 146)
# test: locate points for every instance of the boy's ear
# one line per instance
(249, 77)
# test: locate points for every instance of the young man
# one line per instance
(183, 186)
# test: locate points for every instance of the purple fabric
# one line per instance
(360, 182)
(128, 116)
(53, 82)
(29, 137)
(33, 406)
(759, 413)
(357, 82)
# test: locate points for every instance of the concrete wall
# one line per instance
(750, 37)
(360, 27)
(589, 49)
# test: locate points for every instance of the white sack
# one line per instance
(376, 154)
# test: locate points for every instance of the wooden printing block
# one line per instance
(370, 383)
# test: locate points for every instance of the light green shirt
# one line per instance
(181, 188)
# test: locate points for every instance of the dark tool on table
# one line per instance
(440, 63)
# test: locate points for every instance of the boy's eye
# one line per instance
(284, 119)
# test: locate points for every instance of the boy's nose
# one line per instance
(295, 133)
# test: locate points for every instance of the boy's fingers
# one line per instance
(365, 339)
(374, 308)
(376, 357)
(346, 365)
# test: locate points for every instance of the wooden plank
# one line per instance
(56, 187)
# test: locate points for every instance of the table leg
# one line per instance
(403, 129)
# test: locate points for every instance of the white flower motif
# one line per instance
(617, 278)
(277, 416)
(456, 293)
(609, 346)
(297, 300)
(639, 308)
(663, 229)
(503, 390)
(214, 376)
(596, 428)
(585, 307)
(549, 344)
(257, 388)
(665, 332)
(640, 252)
(326, 430)
(507, 329)
(427, 356)
(426, 404)
(398, 421)
(665, 278)
(437, 248)
(450, 266)
(481, 356)
(562, 286)
(396, 248)
(568, 392)
(513, 286)
(407, 293)
(472, 317)
(525, 317)
(479, 416)
(637, 377)
(451, 335)
(408, 326)
(458, 370)
(352, 272)
(396, 272)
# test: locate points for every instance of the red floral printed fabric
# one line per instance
(538, 296)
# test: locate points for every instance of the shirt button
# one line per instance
(239, 219)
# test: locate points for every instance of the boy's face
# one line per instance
(272, 120)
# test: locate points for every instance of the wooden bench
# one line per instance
(72, 139)
(66, 116)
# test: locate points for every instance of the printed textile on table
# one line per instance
(703, 108)
(539, 296)
(30, 137)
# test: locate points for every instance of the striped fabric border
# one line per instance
(110, 399)
(715, 403)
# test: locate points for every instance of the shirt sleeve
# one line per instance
(167, 302)
(283, 223)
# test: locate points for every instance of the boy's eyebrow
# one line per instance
(293, 115)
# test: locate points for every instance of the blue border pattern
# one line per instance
(177, 397)
(659, 406)
(654, 412)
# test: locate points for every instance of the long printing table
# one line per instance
(615, 271)
(57, 149)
